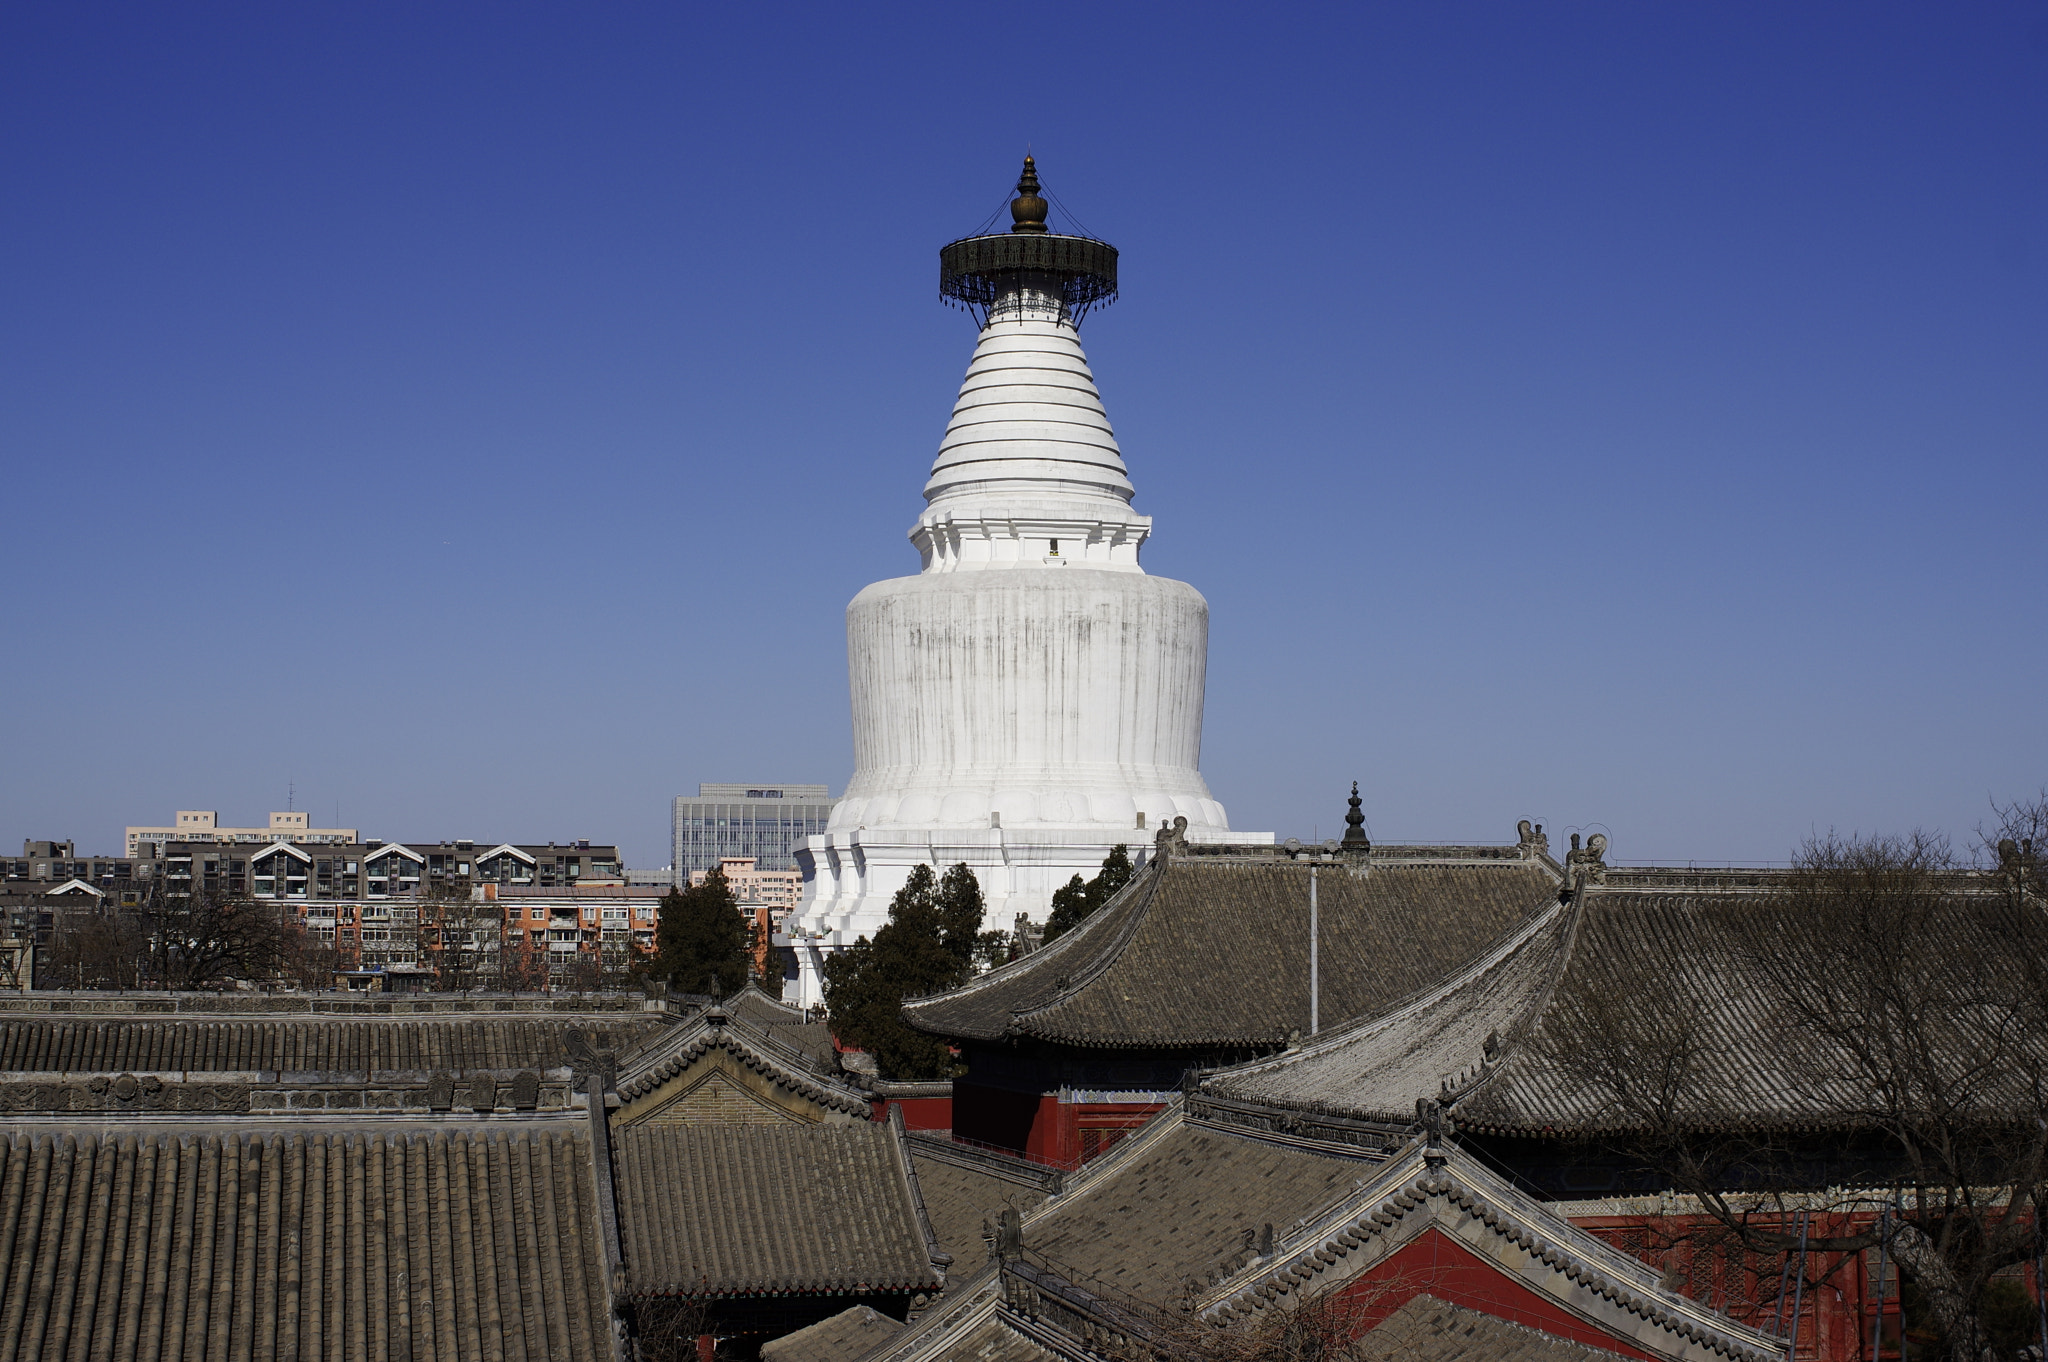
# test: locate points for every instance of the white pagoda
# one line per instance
(1032, 697)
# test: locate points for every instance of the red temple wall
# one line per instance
(1441, 1266)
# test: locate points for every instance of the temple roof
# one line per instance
(1186, 1221)
(845, 1335)
(1431, 1043)
(1503, 1042)
(189, 1042)
(792, 1026)
(1665, 956)
(971, 1324)
(744, 1210)
(1203, 953)
(339, 1239)
(966, 1188)
(1180, 1201)
(764, 1049)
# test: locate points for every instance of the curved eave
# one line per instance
(1280, 1106)
(1108, 931)
(660, 1069)
(1121, 1041)
(705, 1291)
(1565, 1128)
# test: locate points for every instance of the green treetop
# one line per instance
(701, 941)
(927, 945)
(1072, 905)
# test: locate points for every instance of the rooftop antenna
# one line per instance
(291, 792)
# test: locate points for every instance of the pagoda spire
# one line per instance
(1029, 473)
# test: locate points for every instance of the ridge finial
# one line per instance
(1027, 210)
(1354, 831)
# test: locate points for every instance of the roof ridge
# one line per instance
(658, 1063)
(1539, 1003)
(1118, 942)
(1169, 1118)
(1351, 1032)
(1425, 1172)
(1040, 958)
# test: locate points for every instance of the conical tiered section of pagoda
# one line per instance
(1032, 698)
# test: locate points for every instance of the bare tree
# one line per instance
(667, 1328)
(461, 937)
(206, 938)
(96, 949)
(1881, 1022)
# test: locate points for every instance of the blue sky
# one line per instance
(1625, 416)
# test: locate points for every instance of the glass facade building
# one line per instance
(766, 821)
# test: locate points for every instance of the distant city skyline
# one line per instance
(442, 421)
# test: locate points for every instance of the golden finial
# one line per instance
(1027, 210)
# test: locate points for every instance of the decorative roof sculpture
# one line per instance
(1354, 821)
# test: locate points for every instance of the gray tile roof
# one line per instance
(1157, 1226)
(757, 1007)
(662, 1057)
(971, 1323)
(790, 1025)
(197, 1042)
(1426, 1329)
(1438, 1188)
(1657, 952)
(709, 1211)
(1377, 1068)
(1686, 958)
(1202, 953)
(1176, 1202)
(966, 1188)
(320, 1242)
(845, 1335)
(997, 1340)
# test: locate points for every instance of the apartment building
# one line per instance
(203, 825)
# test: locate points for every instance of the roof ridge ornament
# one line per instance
(1354, 831)
(1028, 210)
(1585, 866)
(1171, 839)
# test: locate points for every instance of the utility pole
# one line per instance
(1315, 982)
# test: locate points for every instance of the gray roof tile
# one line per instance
(325, 1243)
(960, 1195)
(300, 1044)
(1433, 1043)
(1198, 953)
(844, 1336)
(1177, 1203)
(734, 1210)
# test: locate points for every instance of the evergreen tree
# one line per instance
(927, 945)
(1072, 904)
(960, 910)
(701, 939)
